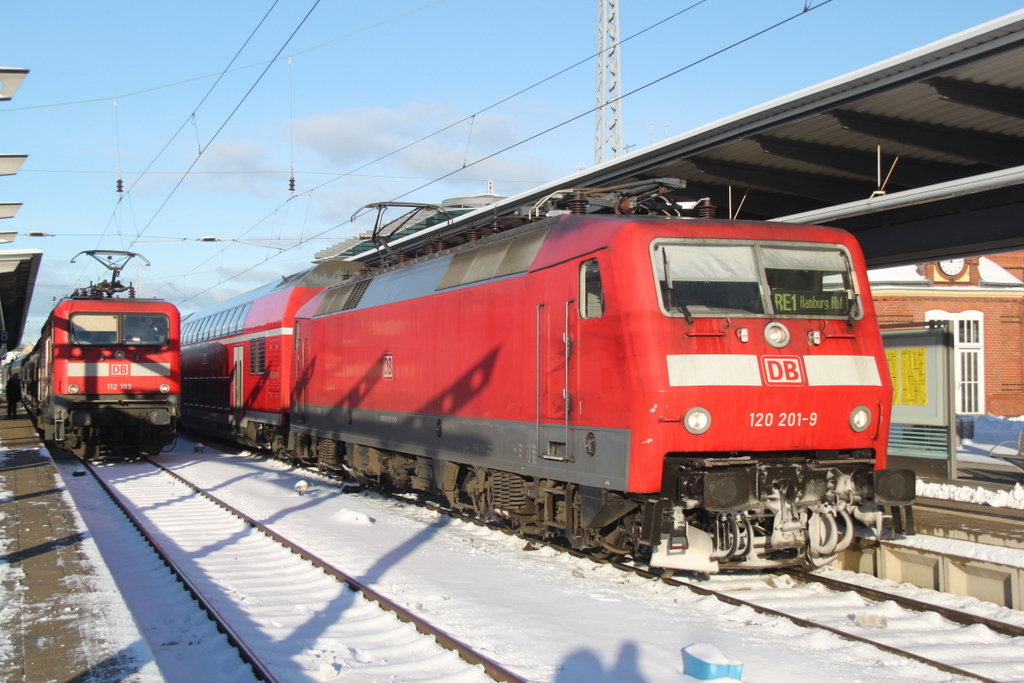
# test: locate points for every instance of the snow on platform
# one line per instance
(61, 615)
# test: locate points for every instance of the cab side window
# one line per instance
(591, 292)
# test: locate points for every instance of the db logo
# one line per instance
(782, 370)
(119, 369)
(389, 366)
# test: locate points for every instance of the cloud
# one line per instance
(242, 166)
(402, 142)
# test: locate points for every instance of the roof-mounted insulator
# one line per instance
(705, 209)
(578, 203)
(473, 234)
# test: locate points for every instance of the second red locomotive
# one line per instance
(103, 379)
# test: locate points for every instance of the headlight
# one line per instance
(697, 420)
(73, 389)
(860, 419)
(776, 334)
(165, 389)
(119, 354)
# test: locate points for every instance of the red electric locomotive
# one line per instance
(703, 393)
(103, 379)
(710, 393)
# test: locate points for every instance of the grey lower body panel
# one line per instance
(578, 454)
(226, 420)
(213, 423)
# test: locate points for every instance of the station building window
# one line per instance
(969, 358)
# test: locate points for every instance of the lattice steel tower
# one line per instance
(608, 124)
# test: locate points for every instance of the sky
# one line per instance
(206, 109)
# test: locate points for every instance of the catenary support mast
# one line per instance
(608, 125)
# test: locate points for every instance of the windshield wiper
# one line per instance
(675, 302)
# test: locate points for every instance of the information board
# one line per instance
(922, 432)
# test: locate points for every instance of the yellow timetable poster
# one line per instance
(909, 375)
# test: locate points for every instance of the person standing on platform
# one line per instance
(13, 393)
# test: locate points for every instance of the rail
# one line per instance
(260, 669)
(468, 654)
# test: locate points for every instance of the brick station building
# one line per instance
(984, 297)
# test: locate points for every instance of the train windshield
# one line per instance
(118, 329)
(805, 281)
(702, 279)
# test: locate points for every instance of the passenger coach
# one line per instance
(237, 360)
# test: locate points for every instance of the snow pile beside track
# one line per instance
(1013, 498)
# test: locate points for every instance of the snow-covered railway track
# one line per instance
(876, 595)
(961, 548)
(223, 625)
(291, 617)
(947, 639)
(887, 621)
(956, 641)
(968, 653)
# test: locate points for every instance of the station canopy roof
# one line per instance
(18, 270)
(920, 156)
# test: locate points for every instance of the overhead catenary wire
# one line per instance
(291, 132)
(470, 117)
(117, 132)
(284, 172)
(185, 123)
(222, 73)
(228, 69)
(119, 184)
(338, 176)
(192, 117)
(806, 9)
(516, 94)
(229, 116)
